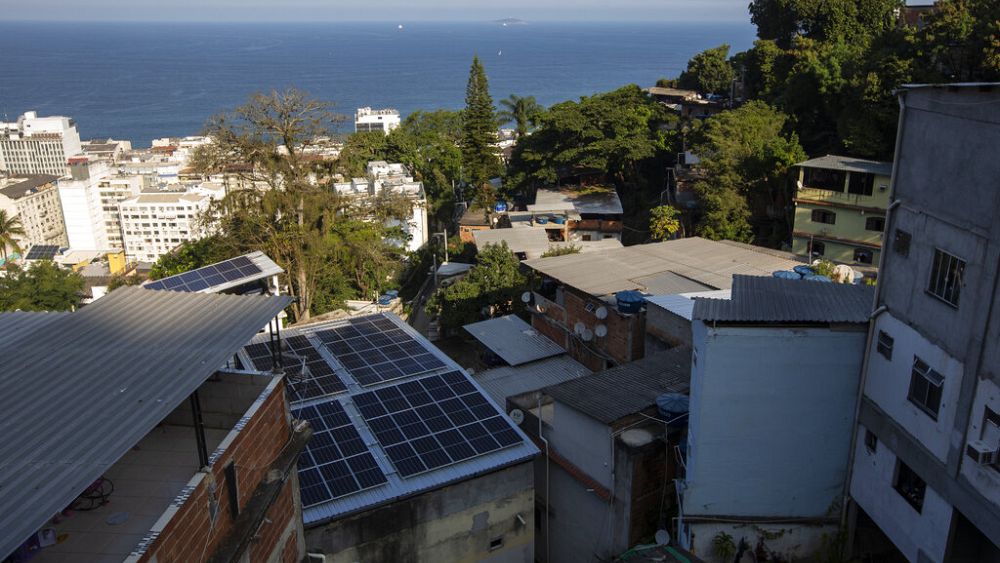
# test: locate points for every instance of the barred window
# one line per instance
(947, 273)
(925, 388)
(824, 216)
(885, 343)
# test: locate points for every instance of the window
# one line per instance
(861, 183)
(875, 224)
(863, 256)
(823, 179)
(925, 388)
(901, 243)
(824, 216)
(496, 543)
(817, 248)
(946, 277)
(885, 344)
(909, 485)
(871, 441)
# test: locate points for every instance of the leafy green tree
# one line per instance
(42, 287)
(523, 111)
(824, 20)
(562, 250)
(492, 288)
(746, 154)
(194, 254)
(618, 132)
(664, 222)
(10, 229)
(359, 149)
(709, 72)
(960, 41)
(479, 129)
(428, 142)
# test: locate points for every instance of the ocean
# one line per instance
(142, 81)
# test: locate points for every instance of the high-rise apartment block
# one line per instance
(38, 145)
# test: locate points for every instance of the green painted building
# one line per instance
(840, 207)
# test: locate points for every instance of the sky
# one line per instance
(372, 10)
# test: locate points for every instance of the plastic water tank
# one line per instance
(558, 220)
(673, 405)
(804, 270)
(786, 275)
(629, 301)
(817, 277)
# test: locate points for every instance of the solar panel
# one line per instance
(435, 421)
(213, 275)
(42, 252)
(308, 375)
(375, 350)
(336, 462)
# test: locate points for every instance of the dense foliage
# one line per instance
(42, 287)
(479, 129)
(491, 288)
(709, 71)
(664, 222)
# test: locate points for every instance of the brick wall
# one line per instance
(625, 339)
(190, 536)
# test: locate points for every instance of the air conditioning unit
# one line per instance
(982, 452)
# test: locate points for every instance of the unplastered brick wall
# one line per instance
(190, 535)
(625, 339)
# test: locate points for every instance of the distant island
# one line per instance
(510, 21)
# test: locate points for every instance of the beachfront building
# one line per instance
(34, 201)
(774, 381)
(38, 145)
(368, 119)
(840, 207)
(89, 197)
(926, 471)
(153, 224)
(392, 180)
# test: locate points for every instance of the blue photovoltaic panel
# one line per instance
(209, 276)
(433, 422)
(308, 375)
(336, 462)
(375, 350)
(42, 252)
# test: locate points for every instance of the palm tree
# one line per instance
(523, 112)
(10, 227)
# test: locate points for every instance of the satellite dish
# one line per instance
(526, 297)
(601, 313)
(540, 307)
(517, 416)
(579, 327)
(587, 335)
(601, 331)
(662, 537)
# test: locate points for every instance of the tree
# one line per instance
(492, 288)
(42, 287)
(725, 214)
(428, 142)
(523, 112)
(359, 149)
(193, 254)
(10, 229)
(302, 224)
(852, 21)
(479, 129)
(664, 222)
(709, 72)
(960, 41)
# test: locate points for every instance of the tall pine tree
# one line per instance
(479, 130)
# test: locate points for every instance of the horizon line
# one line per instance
(370, 21)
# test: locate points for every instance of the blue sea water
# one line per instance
(141, 81)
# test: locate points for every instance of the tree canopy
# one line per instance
(491, 288)
(523, 111)
(44, 286)
(479, 129)
(709, 72)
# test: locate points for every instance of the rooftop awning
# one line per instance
(79, 390)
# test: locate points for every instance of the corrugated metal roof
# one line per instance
(513, 340)
(707, 264)
(16, 323)
(79, 390)
(508, 381)
(775, 300)
(615, 393)
(849, 164)
(682, 304)
(532, 242)
(591, 199)
(396, 487)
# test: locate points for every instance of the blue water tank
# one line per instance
(672, 406)
(786, 275)
(819, 278)
(541, 220)
(804, 270)
(558, 220)
(629, 301)
(500, 207)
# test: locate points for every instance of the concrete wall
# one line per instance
(585, 442)
(454, 523)
(787, 541)
(771, 417)
(911, 531)
(985, 479)
(888, 384)
(667, 327)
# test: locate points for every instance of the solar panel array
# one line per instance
(317, 380)
(42, 252)
(433, 422)
(336, 461)
(209, 276)
(375, 350)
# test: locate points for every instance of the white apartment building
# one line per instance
(35, 202)
(108, 149)
(112, 191)
(368, 119)
(926, 456)
(153, 224)
(385, 178)
(38, 145)
(79, 196)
